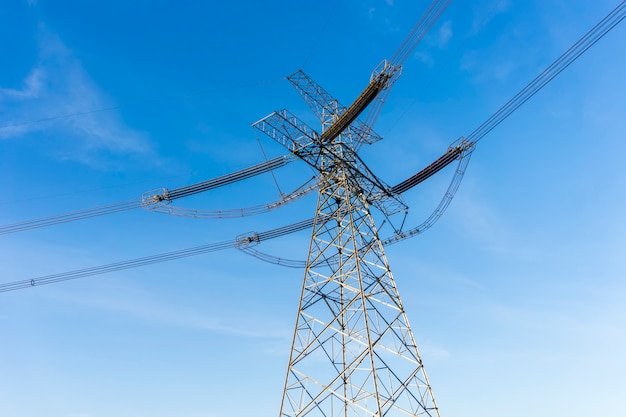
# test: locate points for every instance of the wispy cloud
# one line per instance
(486, 224)
(480, 18)
(444, 34)
(140, 305)
(474, 63)
(438, 39)
(433, 352)
(59, 86)
(31, 89)
(371, 12)
(425, 59)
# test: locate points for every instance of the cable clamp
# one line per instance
(156, 198)
(247, 240)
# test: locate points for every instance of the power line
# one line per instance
(163, 257)
(149, 199)
(319, 35)
(88, 190)
(589, 39)
(70, 216)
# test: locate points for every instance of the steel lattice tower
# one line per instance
(353, 352)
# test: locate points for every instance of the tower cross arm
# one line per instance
(304, 142)
(327, 108)
(295, 135)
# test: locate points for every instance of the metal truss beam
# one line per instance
(327, 108)
(307, 144)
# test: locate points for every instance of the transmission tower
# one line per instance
(353, 352)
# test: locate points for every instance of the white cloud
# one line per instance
(59, 86)
(480, 19)
(503, 69)
(425, 59)
(32, 87)
(139, 304)
(445, 34)
(473, 63)
(433, 352)
(371, 12)
(486, 226)
(441, 37)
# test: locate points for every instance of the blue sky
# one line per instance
(515, 296)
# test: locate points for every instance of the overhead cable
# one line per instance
(243, 174)
(569, 56)
(468, 144)
(163, 257)
(302, 191)
(70, 216)
(418, 32)
(150, 199)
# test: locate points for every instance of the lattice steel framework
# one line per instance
(353, 352)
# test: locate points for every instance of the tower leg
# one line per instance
(353, 352)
